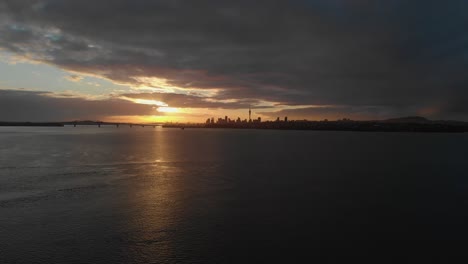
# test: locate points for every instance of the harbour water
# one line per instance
(160, 195)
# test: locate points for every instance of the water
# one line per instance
(144, 195)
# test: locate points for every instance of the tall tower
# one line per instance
(250, 112)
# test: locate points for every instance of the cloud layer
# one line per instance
(21, 105)
(377, 56)
(25, 105)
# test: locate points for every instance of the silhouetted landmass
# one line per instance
(36, 124)
(74, 123)
(406, 124)
(408, 120)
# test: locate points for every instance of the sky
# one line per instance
(185, 61)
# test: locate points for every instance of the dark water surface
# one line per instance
(144, 195)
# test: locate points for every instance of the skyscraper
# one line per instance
(250, 112)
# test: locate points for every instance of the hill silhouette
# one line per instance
(408, 119)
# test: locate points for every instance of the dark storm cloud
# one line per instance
(399, 55)
(22, 105)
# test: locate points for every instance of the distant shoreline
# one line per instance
(32, 124)
(391, 125)
(364, 126)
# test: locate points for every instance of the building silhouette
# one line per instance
(228, 121)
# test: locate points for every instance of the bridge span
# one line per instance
(115, 124)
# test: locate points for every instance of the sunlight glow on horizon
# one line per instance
(149, 102)
(166, 109)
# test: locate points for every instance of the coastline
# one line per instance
(365, 126)
(340, 125)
